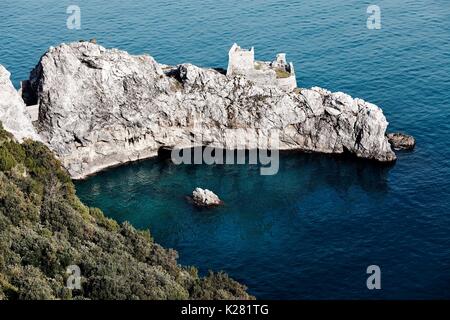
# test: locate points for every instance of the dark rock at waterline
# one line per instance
(400, 141)
(165, 152)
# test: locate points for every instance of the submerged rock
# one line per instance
(101, 107)
(205, 198)
(13, 115)
(400, 141)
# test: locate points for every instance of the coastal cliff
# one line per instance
(101, 107)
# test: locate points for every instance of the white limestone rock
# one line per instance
(13, 115)
(103, 107)
(205, 198)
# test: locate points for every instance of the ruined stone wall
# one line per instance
(240, 61)
(290, 83)
(287, 84)
(262, 77)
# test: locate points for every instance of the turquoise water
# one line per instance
(310, 231)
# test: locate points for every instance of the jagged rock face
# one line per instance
(205, 198)
(102, 107)
(12, 110)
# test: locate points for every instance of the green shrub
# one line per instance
(42, 164)
(4, 135)
(15, 205)
(44, 228)
(31, 284)
(7, 161)
(218, 286)
(282, 73)
(16, 150)
(108, 223)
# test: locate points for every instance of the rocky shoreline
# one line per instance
(102, 107)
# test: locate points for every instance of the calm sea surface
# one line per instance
(311, 230)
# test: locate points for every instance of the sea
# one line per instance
(312, 230)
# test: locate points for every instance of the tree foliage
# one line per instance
(44, 228)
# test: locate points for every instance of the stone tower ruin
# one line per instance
(241, 62)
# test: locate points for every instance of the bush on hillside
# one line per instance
(44, 229)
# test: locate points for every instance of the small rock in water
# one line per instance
(400, 141)
(205, 198)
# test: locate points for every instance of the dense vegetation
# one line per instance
(44, 228)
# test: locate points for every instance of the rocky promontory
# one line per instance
(101, 107)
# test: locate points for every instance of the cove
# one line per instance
(308, 232)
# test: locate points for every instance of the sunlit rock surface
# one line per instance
(102, 107)
(13, 115)
(205, 198)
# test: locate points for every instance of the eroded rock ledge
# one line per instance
(101, 107)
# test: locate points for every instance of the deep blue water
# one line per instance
(311, 230)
